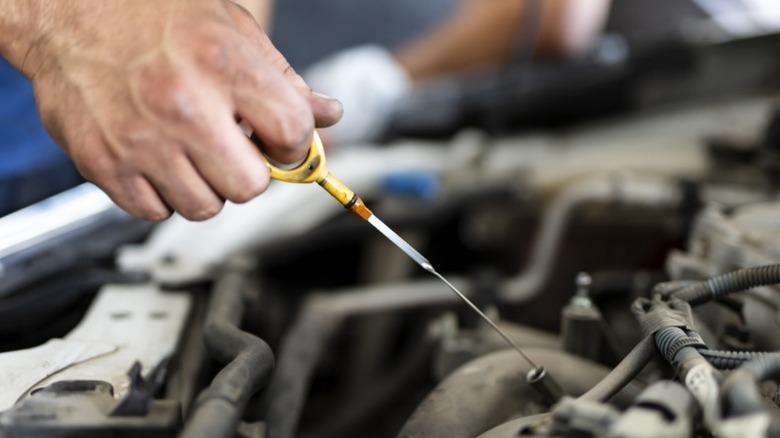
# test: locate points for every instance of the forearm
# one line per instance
(476, 35)
(569, 27)
(483, 34)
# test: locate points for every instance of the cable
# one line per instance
(731, 282)
(624, 372)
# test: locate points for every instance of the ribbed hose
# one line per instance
(729, 360)
(723, 285)
(764, 367)
(624, 372)
(682, 349)
(669, 341)
(740, 390)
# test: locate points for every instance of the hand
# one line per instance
(144, 96)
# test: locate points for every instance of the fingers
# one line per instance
(230, 163)
(326, 110)
(137, 196)
(279, 115)
(193, 152)
(184, 189)
(196, 166)
(156, 127)
(151, 168)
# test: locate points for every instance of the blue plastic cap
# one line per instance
(420, 184)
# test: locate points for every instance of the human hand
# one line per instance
(144, 96)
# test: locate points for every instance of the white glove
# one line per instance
(369, 82)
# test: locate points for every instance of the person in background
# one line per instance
(477, 36)
(144, 95)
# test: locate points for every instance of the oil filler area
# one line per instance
(605, 234)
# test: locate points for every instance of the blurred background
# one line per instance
(557, 160)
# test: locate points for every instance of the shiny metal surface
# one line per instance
(399, 242)
(425, 264)
(59, 214)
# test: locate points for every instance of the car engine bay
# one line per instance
(635, 256)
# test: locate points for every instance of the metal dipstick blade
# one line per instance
(422, 261)
(399, 242)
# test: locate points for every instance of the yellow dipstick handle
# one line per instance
(312, 169)
(345, 196)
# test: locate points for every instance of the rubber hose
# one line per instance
(670, 339)
(249, 363)
(729, 360)
(736, 281)
(666, 339)
(740, 390)
(764, 367)
(624, 372)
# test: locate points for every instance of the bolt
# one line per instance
(581, 297)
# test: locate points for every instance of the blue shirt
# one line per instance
(24, 144)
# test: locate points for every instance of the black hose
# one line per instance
(249, 359)
(369, 400)
(731, 282)
(285, 397)
(628, 368)
(319, 319)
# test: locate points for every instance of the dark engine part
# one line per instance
(491, 390)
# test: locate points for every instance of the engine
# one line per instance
(634, 258)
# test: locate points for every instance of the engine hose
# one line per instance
(628, 368)
(764, 367)
(731, 282)
(740, 390)
(671, 340)
(307, 340)
(249, 363)
(729, 360)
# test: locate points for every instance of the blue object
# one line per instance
(32, 167)
(24, 144)
(420, 184)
